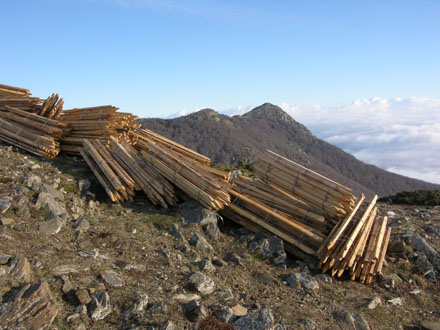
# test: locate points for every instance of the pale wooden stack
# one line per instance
(102, 123)
(357, 244)
(322, 195)
(31, 132)
(20, 98)
(186, 169)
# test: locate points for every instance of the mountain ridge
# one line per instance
(226, 140)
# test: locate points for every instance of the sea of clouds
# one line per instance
(398, 135)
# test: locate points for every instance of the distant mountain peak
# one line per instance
(271, 112)
(205, 114)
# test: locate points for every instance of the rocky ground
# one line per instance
(69, 259)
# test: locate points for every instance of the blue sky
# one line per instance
(157, 57)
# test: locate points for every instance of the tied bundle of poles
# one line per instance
(20, 98)
(101, 123)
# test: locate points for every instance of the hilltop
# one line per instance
(227, 140)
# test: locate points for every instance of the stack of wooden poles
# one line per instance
(184, 168)
(102, 123)
(20, 98)
(357, 244)
(323, 196)
(31, 132)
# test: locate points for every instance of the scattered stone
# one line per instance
(218, 262)
(138, 306)
(48, 202)
(31, 307)
(308, 325)
(225, 294)
(73, 318)
(66, 269)
(205, 265)
(166, 325)
(20, 269)
(419, 244)
(193, 212)
(225, 315)
(302, 280)
(5, 203)
(89, 253)
(67, 285)
(84, 185)
(7, 222)
(160, 306)
(233, 258)
(346, 318)
(200, 243)
(324, 278)
(202, 283)
(261, 319)
(194, 311)
(139, 268)
(397, 247)
(182, 248)
(51, 227)
(396, 301)
(373, 303)
(83, 296)
(212, 231)
(112, 279)
(31, 181)
(175, 231)
(100, 306)
(4, 258)
(185, 297)
(391, 214)
(430, 325)
(165, 253)
(81, 224)
(361, 322)
(58, 194)
(239, 310)
(271, 248)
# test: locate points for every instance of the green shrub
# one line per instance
(419, 197)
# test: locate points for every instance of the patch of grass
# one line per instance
(160, 221)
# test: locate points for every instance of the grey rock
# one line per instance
(20, 269)
(58, 194)
(218, 262)
(185, 297)
(324, 278)
(76, 206)
(225, 315)
(160, 306)
(302, 281)
(202, 283)
(165, 253)
(80, 309)
(205, 265)
(373, 303)
(5, 203)
(308, 325)
(271, 248)
(397, 247)
(346, 318)
(175, 231)
(100, 306)
(112, 279)
(67, 285)
(212, 231)
(261, 319)
(51, 227)
(31, 181)
(193, 212)
(139, 268)
(194, 311)
(166, 325)
(233, 258)
(67, 269)
(73, 318)
(239, 310)
(182, 248)
(82, 224)
(200, 243)
(430, 325)
(83, 296)
(361, 322)
(4, 258)
(48, 202)
(396, 301)
(225, 294)
(30, 307)
(138, 306)
(419, 244)
(84, 185)
(426, 267)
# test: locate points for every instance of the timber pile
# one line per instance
(30, 131)
(102, 123)
(184, 168)
(20, 98)
(284, 202)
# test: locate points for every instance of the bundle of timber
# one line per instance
(102, 123)
(30, 131)
(323, 196)
(186, 169)
(20, 98)
(357, 244)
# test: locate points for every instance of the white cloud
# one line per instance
(399, 135)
